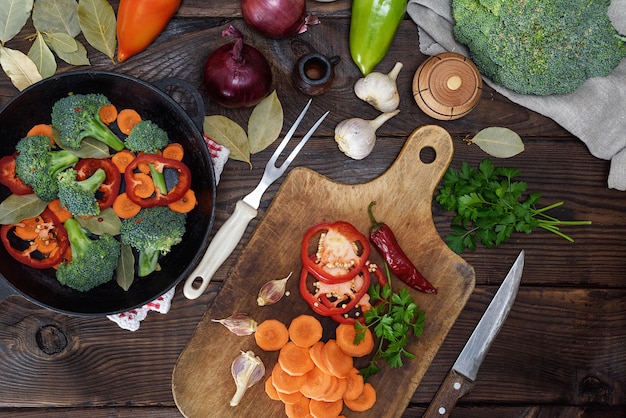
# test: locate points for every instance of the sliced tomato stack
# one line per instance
(337, 272)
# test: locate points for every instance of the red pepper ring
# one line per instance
(160, 163)
(27, 254)
(108, 190)
(338, 236)
(9, 178)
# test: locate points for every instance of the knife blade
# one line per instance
(460, 379)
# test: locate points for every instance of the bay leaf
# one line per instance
(125, 271)
(61, 42)
(17, 207)
(43, 57)
(56, 16)
(92, 148)
(229, 134)
(498, 142)
(19, 68)
(78, 53)
(265, 123)
(97, 21)
(13, 17)
(107, 222)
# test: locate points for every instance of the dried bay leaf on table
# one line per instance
(229, 134)
(265, 123)
(97, 21)
(67, 48)
(41, 54)
(17, 207)
(56, 16)
(13, 17)
(498, 142)
(19, 68)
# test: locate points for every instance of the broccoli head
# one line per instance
(93, 260)
(77, 117)
(146, 136)
(79, 196)
(152, 232)
(539, 47)
(37, 165)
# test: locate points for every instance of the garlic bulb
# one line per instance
(356, 137)
(380, 90)
(239, 324)
(247, 369)
(272, 291)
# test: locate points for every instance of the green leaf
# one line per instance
(105, 223)
(13, 16)
(125, 271)
(97, 21)
(17, 207)
(76, 57)
(229, 134)
(61, 43)
(56, 16)
(265, 123)
(499, 142)
(43, 57)
(92, 148)
(19, 68)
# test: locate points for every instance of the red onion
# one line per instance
(237, 74)
(277, 18)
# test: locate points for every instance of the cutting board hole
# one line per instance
(428, 155)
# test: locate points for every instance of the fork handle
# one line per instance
(222, 245)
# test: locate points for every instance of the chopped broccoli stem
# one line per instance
(148, 262)
(159, 179)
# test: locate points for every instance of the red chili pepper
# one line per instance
(399, 263)
(108, 190)
(338, 255)
(9, 178)
(160, 164)
(30, 252)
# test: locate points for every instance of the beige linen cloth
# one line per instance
(595, 112)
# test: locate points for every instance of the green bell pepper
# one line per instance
(373, 26)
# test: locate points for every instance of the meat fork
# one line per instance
(231, 232)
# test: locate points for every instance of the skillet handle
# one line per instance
(222, 245)
(198, 118)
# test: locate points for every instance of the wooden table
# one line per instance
(561, 351)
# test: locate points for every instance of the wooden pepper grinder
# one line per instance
(447, 86)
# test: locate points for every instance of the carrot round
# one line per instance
(270, 389)
(127, 119)
(174, 151)
(142, 185)
(316, 383)
(299, 409)
(122, 159)
(323, 409)
(345, 335)
(315, 351)
(288, 398)
(305, 330)
(61, 212)
(108, 114)
(354, 385)
(42, 129)
(294, 359)
(27, 229)
(336, 394)
(124, 207)
(339, 363)
(271, 335)
(364, 401)
(186, 203)
(284, 382)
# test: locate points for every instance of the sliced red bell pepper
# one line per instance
(339, 253)
(9, 178)
(160, 164)
(31, 252)
(110, 188)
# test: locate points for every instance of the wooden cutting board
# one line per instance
(202, 384)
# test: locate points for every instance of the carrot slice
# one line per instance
(26, 229)
(299, 409)
(339, 363)
(337, 391)
(305, 330)
(108, 114)
(142, 185)
(316, 383)
(42, 129)
(288, 398)
(124, 207)
(364, 401)
(184, 204)
(270, 389)
(323, 409)
(284, 382)
(354, 385)
(127, 119)
(61, 212)
(271, 335)
(174, 151)
(345, 335)
(122, 159)
(294, 359)
(315, 351)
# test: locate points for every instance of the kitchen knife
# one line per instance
(461, 377)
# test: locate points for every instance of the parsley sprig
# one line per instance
(490, 206)
(393, 317)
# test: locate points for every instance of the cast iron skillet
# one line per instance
(33, 105)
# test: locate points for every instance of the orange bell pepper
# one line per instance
(139, 22)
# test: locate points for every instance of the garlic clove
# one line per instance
(247, 369)
(272, 291)
(380, 90)
(356, 137)
(239, 324)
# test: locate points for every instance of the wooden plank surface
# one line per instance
(561, 352)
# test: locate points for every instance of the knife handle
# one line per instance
(453, 388)
(222, 245)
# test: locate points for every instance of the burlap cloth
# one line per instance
(595, 112)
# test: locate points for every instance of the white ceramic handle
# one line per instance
(222, 245)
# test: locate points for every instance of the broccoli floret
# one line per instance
(79, 196)
(146, 136)
(152, 232)
(77, 117)
(539, 47)
(37, 165)
(93, 260)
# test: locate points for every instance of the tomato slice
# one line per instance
(334, 252)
